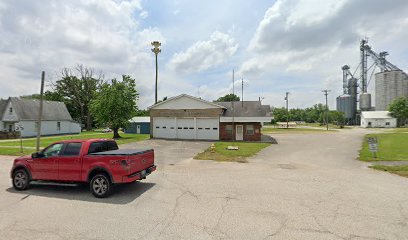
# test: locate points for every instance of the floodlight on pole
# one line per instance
(156, 49)
(287, 109)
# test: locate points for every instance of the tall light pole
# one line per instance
(156, 49)
(287, 110)
(326, 92)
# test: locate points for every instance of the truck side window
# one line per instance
(72, 149)
(112, 145)
(96, 147)
(53, 150)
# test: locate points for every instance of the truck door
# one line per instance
(69, 164)
(46, 168)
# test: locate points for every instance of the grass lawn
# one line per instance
(400, 130)
(223, 155)
(295, 130)
(8, 147)
(399, 170)
(391, 147)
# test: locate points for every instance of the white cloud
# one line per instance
(144, 14)
(204, 54)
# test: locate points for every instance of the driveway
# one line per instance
(309, 186)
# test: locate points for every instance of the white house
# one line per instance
(16, 112)
(377, 119)
(188, 117)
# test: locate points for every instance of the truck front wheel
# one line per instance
(100, 186)
(21, 180)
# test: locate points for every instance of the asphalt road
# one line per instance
(309, 186)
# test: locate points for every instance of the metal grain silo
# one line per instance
(365, 102)
(345, 104)
(389, 85)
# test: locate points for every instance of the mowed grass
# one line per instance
(8, 147)
(391, 147)
(223, 155)
(399, 170)
(295, 130)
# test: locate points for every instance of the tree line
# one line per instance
(314, 114)
(93, 101)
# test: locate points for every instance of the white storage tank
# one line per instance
(389, 86)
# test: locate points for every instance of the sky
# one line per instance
(296, 46)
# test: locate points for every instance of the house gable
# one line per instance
(9, 113)
(185, 101)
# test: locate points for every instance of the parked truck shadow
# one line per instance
(121, 193)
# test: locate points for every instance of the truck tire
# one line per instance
(21, 180)
(100, 186)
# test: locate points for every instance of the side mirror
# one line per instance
(37, 155)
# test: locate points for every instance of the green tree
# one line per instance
(228, 98)
(78, 87)
(279, 115)
(337, 117)
(115, 103)
(399, 110)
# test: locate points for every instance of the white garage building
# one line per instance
(185, 117)
(377, 119)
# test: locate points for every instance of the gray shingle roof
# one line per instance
(3, 105)
(27, 109)
(246, 109)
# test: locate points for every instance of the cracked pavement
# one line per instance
(309, 186)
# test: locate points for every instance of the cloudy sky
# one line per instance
(275, 46)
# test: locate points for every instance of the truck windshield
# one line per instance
(102, 146)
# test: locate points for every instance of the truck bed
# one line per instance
(124, 152)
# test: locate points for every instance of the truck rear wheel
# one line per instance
(21, 180)
(100, 186)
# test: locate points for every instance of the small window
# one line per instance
(215, 128)
(11, 110)
(387, 123)
(228, 129)
(58, 126)
(164, 127)
(207, 128)
(250, 129)
(200, 128)
(72, 149)
(157, 127)
(171, 127)
(179, 128)
(191, 128)
(185, 127)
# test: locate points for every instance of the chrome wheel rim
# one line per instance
(100, 186)
(20, 180)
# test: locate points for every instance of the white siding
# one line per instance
(185, 102)
(379, 122)
(49, 128)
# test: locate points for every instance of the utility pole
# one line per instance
(242, 92)
(233, 111)
(287, 110)
(326, 92)
(40, 112)
(156, 49)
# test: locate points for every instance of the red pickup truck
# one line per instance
(98, 162)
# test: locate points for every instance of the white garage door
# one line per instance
(187, 128)
(207, 128)
(164, 128)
